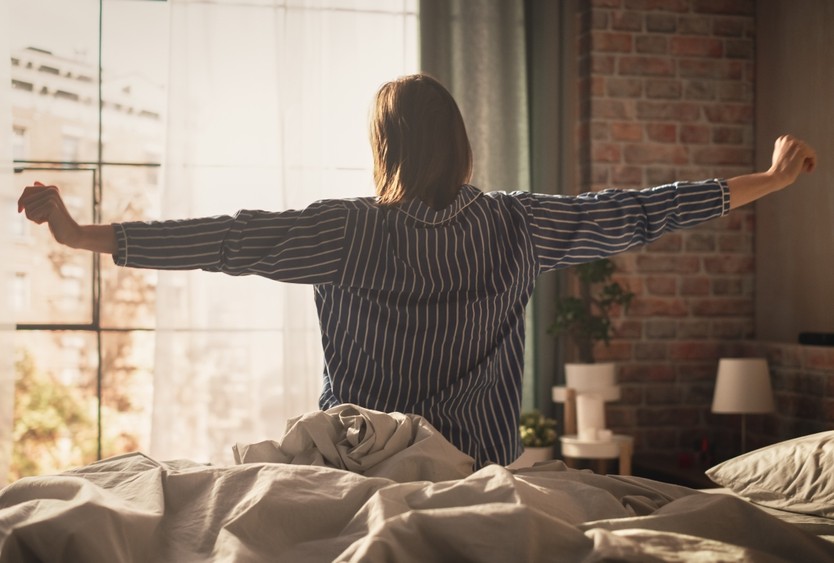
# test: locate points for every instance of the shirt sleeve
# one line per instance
(568, 230)
(303, 246)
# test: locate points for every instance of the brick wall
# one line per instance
(803, 390)
(666, 90)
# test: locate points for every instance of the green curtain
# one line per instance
(508, 64)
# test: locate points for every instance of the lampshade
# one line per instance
(743, 386)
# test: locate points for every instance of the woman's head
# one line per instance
(421, 150)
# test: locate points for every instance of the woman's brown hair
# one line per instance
(421, 150)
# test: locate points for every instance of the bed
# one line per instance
(355, 485)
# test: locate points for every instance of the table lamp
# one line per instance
(743, 387)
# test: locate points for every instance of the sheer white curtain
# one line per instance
(7, 204)
(268, 109)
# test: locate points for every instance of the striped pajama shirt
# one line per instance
(422, 311)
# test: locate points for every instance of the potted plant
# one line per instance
(586, 319)
(538, 436)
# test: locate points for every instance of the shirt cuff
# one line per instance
(120, 257)
(725, 196)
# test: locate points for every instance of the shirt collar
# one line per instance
(423, 213)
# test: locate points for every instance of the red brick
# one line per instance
(610, 109)
(626, 131)
(662, 132)
(732, 264)
(602, 64)
(694, 134)
(723, 155)
(735, 7)
(658, 307)
(655, 439)
(728, 27)
(663, 89)
(647, 372)
(722, 307)
(626, 21)
(646, 66)
(661, 329)
(700, 90)
(694, 46)
(656, 176)
(694, 25)
(695, 285)
(599, 19)
(661, 23)
(727, 286)
(819, 358)
(599, 175)
(711, 68)
(598, 86)
(672, 242)
(659, 5)
(606, 3)
(739, 49)
(609, 42)
(728, 135)
(732, 329)
(630, 329)
(616, 351)
(606, 152)
(620, 416)
(600, 131)
(693, 350)
(669, 416)
(672, 264)
(784, 356)
(662, 395)
(655, 153)
(668, 111)
(651, 45)
(735, 242)
(627, 176)
(650, 351)
(729, 113)
(693, 329)
(662, 285)
(700, 242)
(735, 92)
(624, 87)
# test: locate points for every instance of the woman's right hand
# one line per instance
(43, 204)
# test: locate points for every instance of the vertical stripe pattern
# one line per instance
(422, 311)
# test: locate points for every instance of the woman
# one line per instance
(421, 290)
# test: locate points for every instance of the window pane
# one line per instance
(219, 390)
(135, 70)
(55, 403)
(55, 79)
(131, 193)
(55, 283)
(126, 392)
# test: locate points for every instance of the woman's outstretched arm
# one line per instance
(44, 204)
(791, 157)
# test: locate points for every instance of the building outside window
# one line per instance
(86, 337)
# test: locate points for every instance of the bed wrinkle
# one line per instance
(492, 532)
(728, 520)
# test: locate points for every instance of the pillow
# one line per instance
(795, 475)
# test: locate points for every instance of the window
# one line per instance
(95, 125)
(81, 385)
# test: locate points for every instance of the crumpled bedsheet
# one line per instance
(397, 446)
(133, 508)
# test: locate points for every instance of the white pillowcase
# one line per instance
(795, 475)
